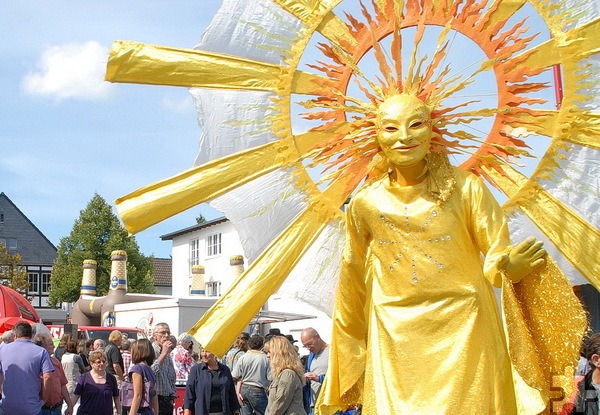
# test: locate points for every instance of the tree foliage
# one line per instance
(96, 233)
(11, 273)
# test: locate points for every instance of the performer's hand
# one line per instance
(523, 258)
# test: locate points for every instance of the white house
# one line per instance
(210, 244)
(215, 245)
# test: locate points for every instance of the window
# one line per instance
(1, 217)
(195, 252)
(213, 244)
(34, 282)
(213, 289)
(45, 282)
(12, 244)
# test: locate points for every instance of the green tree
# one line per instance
(11, 273)
(96, 233)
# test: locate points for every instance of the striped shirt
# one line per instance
(165, 374)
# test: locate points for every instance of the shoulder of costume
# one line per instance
(364, 190)
(466, 178)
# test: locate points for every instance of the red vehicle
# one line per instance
(97, 332)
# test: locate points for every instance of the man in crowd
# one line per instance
(316, 366)
(58, 382)
(253, 371)
(126, 354)
(164, 369)
(98, 345)
(114, 360)
(7, 337)
(22, 364)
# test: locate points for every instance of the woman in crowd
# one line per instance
(242, 347)
(285, 392)
(97, 389)
(210, 388)
(62, 346)
(83, 348)
(145, 399)
(72, 364)
(182, 356)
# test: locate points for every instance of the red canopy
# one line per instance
(13, 304)
(7, 323)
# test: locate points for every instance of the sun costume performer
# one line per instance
(415, 308)
(416, 276)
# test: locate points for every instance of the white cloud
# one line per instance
(74, 70)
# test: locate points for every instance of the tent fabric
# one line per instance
(13, 304)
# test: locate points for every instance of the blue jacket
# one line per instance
(199, 386)
(306, 389)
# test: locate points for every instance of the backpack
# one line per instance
(126, 392)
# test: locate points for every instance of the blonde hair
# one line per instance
(114, 336)
(283, 356)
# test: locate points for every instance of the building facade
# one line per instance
(210, 244)
(20, 236)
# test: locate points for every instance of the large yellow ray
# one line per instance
(568, 232)
(581, 42)
(158, 201)
(134, 62)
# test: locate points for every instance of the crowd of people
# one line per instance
(267, 375)
(120, 376)
(259, 375)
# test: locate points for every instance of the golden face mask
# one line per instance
(404, 130)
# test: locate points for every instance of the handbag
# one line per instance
(126, 392)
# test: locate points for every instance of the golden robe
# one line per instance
(416, 326)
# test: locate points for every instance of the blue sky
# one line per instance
(66, 134)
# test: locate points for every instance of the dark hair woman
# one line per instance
(145, 399)
(72, 364)
(210, 388)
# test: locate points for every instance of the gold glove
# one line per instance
(523, 258)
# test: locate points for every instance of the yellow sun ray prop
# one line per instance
(287, 90)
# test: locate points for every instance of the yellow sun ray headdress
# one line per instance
(284, 88)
